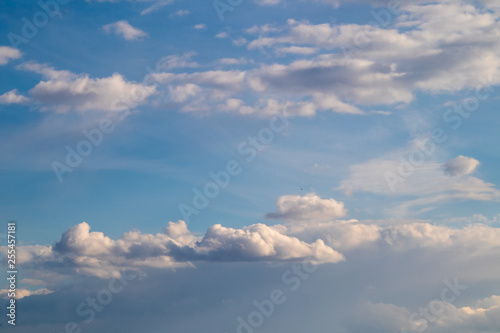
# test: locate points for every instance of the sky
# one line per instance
(251, 165)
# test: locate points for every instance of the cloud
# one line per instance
(460, 166)
(8, 53)
(64, 91)
(222, 35)
(296, 50)
(180, 13)
(92, 253)
(124, 29)
(200, 26)
(262, 29)
(177, 61)
(13, 97)
(258, 242)
(399, 59)
(21, 293)
(232, 61)
(157, 5)
(84, 252)
(307, 208)
(421, 184)
(267, 2)
(445, 317)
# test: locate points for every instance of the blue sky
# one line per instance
(364, 135)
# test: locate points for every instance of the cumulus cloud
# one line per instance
(93, 253)
(64, 91)
(81, 251)
(258, 242)
(8, 53)
(366, 66)
(310, 208)
(461, 165)
(124, 29)
(13, 97)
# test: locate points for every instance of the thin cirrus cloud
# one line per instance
(124, 29)
(425, 184)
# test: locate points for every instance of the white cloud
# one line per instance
(232, 61)
(64, 91)
(155, 6)
(422, 183)
(177, 61)
(239, 42)
(267, 2)
(262, 29)
(444, 317)
(8, 53)
(93, 253)
(13, 97)
(222, 35)
(22, 293)
(429, 57)
(307, 208)
(81, 251)
(200, 26)
(461, 165)
(124, 29)
(262, 242)
(180, 13)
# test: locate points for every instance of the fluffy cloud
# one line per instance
(81, 251)
(439, 47)
(8, 53)
(461, 165)
(124, 29)
(64, 91)
(13, 97)
(307, 208)
(381, 264)
(258, 242)
(93, 253)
